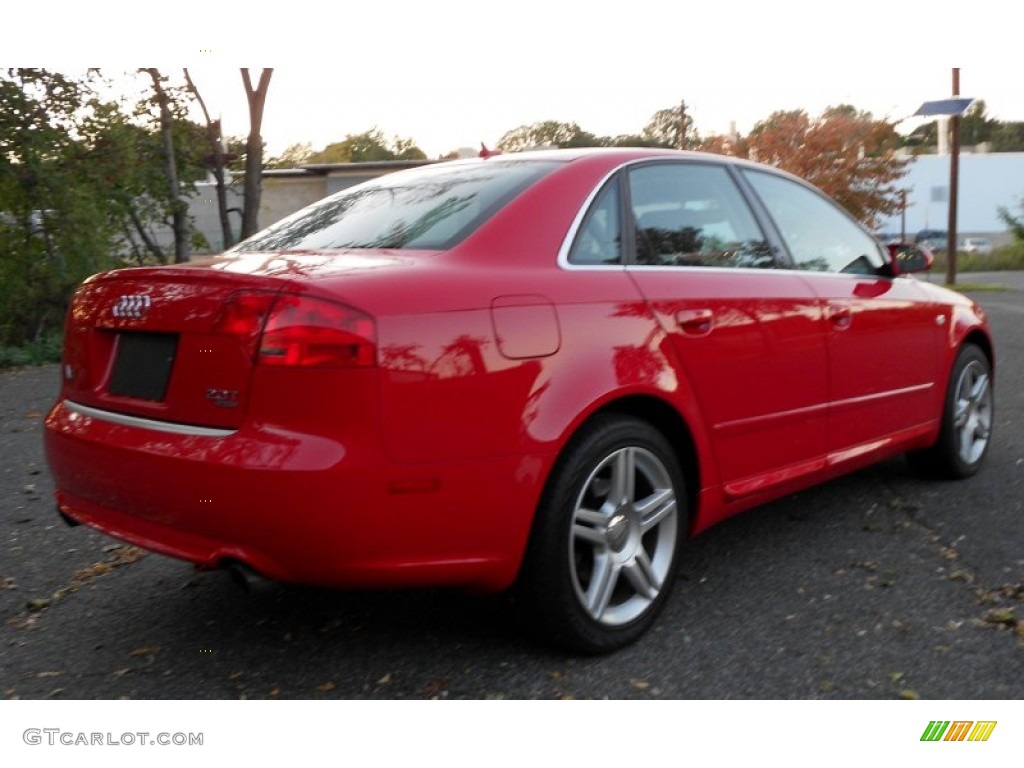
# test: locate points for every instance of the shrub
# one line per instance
(43, 350)
(1005, 258)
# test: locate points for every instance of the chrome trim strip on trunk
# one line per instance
(125, 420)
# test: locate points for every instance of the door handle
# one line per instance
(840, 315)
(696, 322)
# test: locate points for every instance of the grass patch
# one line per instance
(975, 287)
(44, 350)
(1010, 257)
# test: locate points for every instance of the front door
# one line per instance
(884, 338)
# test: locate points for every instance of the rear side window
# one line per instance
(431, 208)
(693, 215)
(600, 238)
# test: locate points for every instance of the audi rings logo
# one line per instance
(131, 305)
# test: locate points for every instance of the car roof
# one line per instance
(617, 153)
(618, 156)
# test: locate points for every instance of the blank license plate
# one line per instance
(143, 365)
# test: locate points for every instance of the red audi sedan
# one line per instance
(544, 370)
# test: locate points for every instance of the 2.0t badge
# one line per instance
(225, 398)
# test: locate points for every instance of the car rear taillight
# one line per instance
(243, 317)
(306, 331)
(290, 330)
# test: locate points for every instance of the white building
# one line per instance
(987, 182)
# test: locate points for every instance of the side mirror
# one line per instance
(905, 258)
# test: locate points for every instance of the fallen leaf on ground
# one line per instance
(126, 555)
(1004, 616)
(96, 569)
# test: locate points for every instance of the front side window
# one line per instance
(693, 215)
(431, 208)
(820, 236)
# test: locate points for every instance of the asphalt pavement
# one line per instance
(878, 585)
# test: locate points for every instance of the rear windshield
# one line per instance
(432, 208)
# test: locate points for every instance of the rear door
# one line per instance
(750, 336)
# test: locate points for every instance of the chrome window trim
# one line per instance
(577, 222)
(718, 270)
(124, 420)
(776, 270)
(570, 237)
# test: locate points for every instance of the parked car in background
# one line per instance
(543, 369)
(979, 245)
(933, 239)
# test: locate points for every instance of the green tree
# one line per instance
(83, 185)
(1015, 223)
(1008, 137)
(406, 149)
(293, 156)
(126, 164)
(663, 130)
(177, 206)
(975, 126)
(923, 139)
(369, 146)
(548, 133)
(55, 229)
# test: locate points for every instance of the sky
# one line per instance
(452, 73)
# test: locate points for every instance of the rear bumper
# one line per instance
(295, 507)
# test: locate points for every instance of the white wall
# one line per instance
(987, 181)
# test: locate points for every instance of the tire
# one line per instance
(604, 547)
(967, 419)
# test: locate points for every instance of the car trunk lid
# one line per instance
(147, 342)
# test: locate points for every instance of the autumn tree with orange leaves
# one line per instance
(847, 154)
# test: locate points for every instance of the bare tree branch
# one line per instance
(257, 98)
(215, 138)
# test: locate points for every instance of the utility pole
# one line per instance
(682, 125)
(954, 178)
